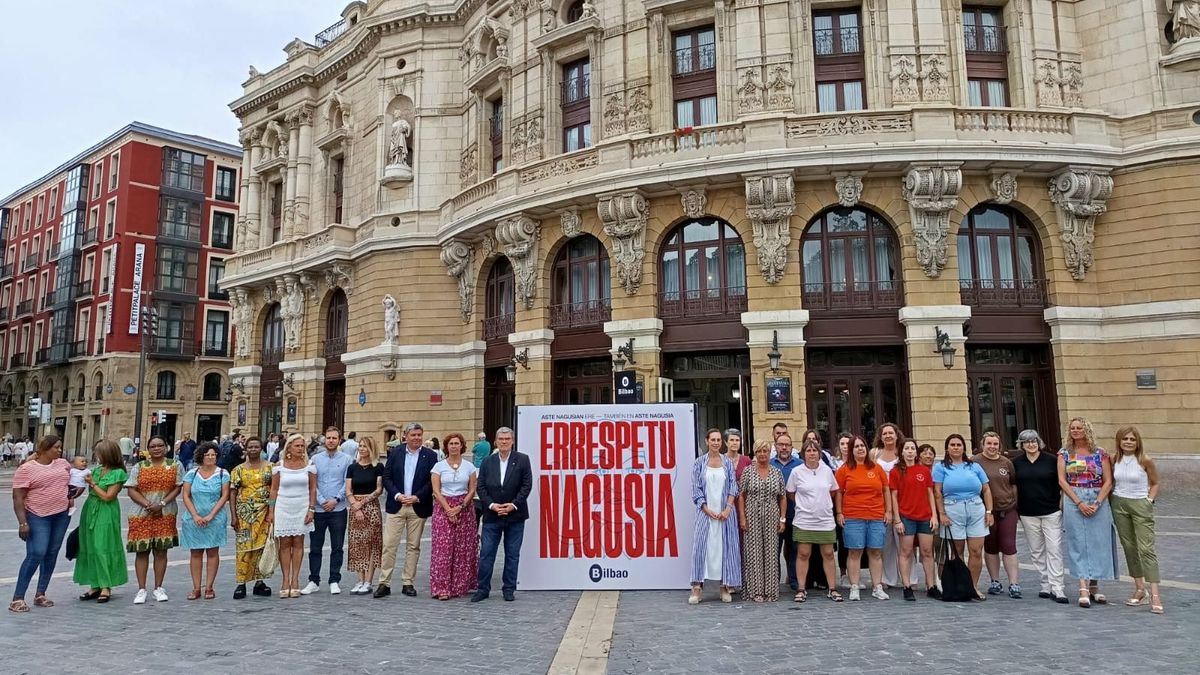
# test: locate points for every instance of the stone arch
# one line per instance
(725, 231)
(98, 383)
(337, 113)
(207, 385)
(335, 294)
(166, 381)
(491, 262)
(269, 312)
(35, 386)
(871, 219)
(81, 386)
(584, 222)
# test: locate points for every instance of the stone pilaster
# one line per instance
(767, 329)
(647, 353)
(936, 393)
(533, 384)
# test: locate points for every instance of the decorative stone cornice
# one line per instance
(849, 187)
(931, 191)
(1080, 194)
(770, 203)
(518, 238)
(624, 215)
(459, 258)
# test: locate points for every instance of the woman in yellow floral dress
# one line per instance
(250, 487)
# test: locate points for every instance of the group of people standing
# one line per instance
(879, 504)
(272, 508)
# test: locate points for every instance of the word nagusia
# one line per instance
(606, 489)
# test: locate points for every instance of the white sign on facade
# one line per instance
(112, 288)
(611, 505)
(135, 303)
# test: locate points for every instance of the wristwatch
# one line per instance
(783, 520)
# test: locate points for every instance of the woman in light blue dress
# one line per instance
(205, 493)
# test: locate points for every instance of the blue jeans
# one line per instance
(41, 551)
(335, 523)
(513, 533)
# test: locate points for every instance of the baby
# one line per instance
(78, 483)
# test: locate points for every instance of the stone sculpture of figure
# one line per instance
(391, 320)
(292, 309)
(588, 10)
(1185, 18)
(398, 143)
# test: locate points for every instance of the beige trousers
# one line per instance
(405, 522)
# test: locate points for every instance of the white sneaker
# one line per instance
(357, 589)
(160, 595)
(334, 589)
(140, 598)
(878, 593)
(366, 589)
(854, 592)
(310, 588)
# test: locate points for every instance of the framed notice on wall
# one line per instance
(779, 394)
(241, 415)
(291, 411)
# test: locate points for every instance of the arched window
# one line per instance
(272, 336)
(50, 391)
(998, 262)
(81, 386)
(575, 11)
(582, 284)
(212, 387)
(98, 386)
(337, 324)
(165, 390)
(703, 270)
(500, 303)
(850, 260)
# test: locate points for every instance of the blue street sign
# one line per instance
(362, 396)
(130, 390)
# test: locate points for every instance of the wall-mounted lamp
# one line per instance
(624, 355)
(522, 358)
(944, 347)
(774, 356)
(279, 391)
(108, 388)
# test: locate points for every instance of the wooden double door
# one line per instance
(856, 390)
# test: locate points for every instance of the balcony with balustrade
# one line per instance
(498, 328)
(702, 303)
(41, 356)
(89, 237)
(31, 262)
(24, 307)
(333, 348)
(856, 296)
(580, 315)
(6, 270)
(1004, 293)
(984, 39)
(16, 361)
(83, 289)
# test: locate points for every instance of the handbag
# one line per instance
(956, 578)
(269, 559)
(72, 544)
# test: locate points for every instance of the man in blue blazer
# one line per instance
(409, 490)
(503, 486)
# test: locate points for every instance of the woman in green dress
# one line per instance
(100, 564)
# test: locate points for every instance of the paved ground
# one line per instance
(652, 631)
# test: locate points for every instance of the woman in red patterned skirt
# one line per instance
(454, 562)
(364, 484)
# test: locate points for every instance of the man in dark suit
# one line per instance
(409, 489)
(505, 480)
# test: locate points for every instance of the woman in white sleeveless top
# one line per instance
(1135, 487)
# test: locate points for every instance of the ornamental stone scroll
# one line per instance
(518, 238)
(770, 203)
(459, 258)
(931, 191)
(624, 215)
(1080, 194)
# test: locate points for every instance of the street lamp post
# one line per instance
(149, 333)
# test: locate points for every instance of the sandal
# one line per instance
(194, 595)
(1084, 599)
(42, 601)
(1098, 598)
(104, 597)
(834, 596)
(1156, 604)
(209, 594)
(90, 595)
(801, 596)
(18, 606)
(1139, 597)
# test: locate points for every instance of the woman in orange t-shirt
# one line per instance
(863, 506)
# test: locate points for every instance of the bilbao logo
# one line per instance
(871, 474)
(597, 573)
(1003, 471)
(920, 478)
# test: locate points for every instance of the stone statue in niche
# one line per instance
(391, 320)
(399, 164)
(1185, 19)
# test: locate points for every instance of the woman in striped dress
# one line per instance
(716, 553)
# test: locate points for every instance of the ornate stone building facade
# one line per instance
(530, 189)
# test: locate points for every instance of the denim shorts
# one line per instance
(859, 534)
(966, 518)
(912, 527)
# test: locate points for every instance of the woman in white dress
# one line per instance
(716, 548)
(290, 509)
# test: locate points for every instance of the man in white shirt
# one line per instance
(408, 485)
(350, 445)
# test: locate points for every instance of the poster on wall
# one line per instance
(241, 413)
(611, 505)
(112, 280)
(135, 302)
(291, 411)
(779, 394)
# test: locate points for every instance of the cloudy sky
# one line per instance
(77, 70)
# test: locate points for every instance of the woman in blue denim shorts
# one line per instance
(964, 503)
(863, 506)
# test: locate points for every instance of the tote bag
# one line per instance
(72, 544)
(269, 559)
(956, 578)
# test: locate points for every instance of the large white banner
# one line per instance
(611, 505)
(135, 303)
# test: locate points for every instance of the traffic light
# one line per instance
(35, 407)
(153, 418)
(150, 321)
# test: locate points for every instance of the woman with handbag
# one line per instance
(1085, 476)
(101, 562)
(249, 489)
(40, 504)
(153, 486)
(964, 503)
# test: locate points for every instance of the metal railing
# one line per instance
(83, 288)
(1003, 292)
(99, 349)
(16, 361)
(24, 307)
(333, 348)
(690, 304)
(4, 312)
(332, 33)
(89, 236)
(837, 41)
(173, 346)
(497, 327)
(576, 89)
(78, 348)
(984, 40)
(6, 270)
(41, 356)
(580, 314)
(271, 357)
(221, 350)
(496, 127)
(843, 295)
(697, 59)
(31, 262)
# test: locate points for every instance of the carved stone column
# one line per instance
(304, 171)
(931, 191)
(624, 215)
(1080, 194)
(289, 188)
(518, 238)
(240, 242)
(253, 204)
(770, 203)
(459, 258)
